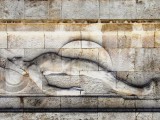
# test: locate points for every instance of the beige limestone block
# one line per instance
(122, 59)
(55, 9)
(3, 40)
(157, 27)
(127, 27)
(25, 27)
(51, 27)
(41, 116)
(75, 9)
(148, 39)
(106, 27)
(41, 102)
(116, 116)
(150, 27)
(110, 39)
(13, 9)
(36, 9)
(124, 39)
(25, 40)
(157, 39)
(60, 38)
(136, 40)
(79, 102)
(77, 116)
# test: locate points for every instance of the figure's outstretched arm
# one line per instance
(117, 85)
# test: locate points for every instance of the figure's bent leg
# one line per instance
(37, 76)
(117, 85)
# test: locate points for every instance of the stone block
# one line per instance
(147, 103)
(13, 9)
(25, 27)
(146, 9)
(110, 39)
(104, 9)
(136, 40)
(143, 116)
(79, 102)
(62, 37)
(41, 116)
(122, 9)
(75, 9)
(149, 27)
(122, 59)
(10, 53)
(77, 116)
(157, 39)
(156, 59)
(41, 102)
(23, 40)
(116, 116)
(3, 40)
(55, 9)
(92, 32)
(11, 116)
(124, 39)
(148, 39)
(110, 102)
(36, 9)
(10, 102)
(57, 27)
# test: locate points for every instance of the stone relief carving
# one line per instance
(42, 68)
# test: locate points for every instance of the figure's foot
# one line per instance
(149, 89)
(76, 88)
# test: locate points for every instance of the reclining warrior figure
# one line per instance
(53, 64)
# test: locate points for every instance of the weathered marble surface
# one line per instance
(79, 9)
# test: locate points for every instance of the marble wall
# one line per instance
(79, 9)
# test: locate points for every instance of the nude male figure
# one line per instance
(53, 64)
